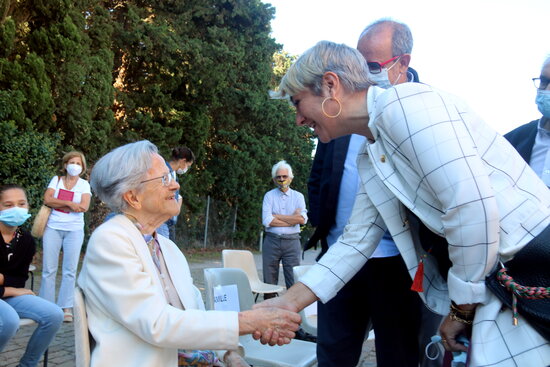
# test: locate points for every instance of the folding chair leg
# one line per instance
(46, 358)
(256, 299)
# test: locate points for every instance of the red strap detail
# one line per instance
(418, 278)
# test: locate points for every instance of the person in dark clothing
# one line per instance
(532, 139)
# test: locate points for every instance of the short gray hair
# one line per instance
(120, 171)
(402, 40)
(545, 63)
(307, 72)
(281, 165)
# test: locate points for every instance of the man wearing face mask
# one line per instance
(532, 140)
(387, 47)
(181, 160)
(283, 211)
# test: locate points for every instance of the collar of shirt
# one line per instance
(542, 129)
(287, 193)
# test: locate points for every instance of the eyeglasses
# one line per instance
(166, 179)
(284, 177)
(375, 67)
(541, 83)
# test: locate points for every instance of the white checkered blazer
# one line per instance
(464, 181)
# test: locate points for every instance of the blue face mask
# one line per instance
(15, 216)
(543, 102)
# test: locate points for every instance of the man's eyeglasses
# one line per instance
(375, 67)
(166, 179)
(284, 177)
(541, 83)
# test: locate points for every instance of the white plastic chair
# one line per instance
(244, 260)
(82, 337)
(309, 314)
(298, 353)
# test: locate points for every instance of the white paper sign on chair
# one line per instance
(226, 298)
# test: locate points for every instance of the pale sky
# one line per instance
(484, 51)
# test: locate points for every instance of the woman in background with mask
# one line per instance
(69, 197)
(17, 249)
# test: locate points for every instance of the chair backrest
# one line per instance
(82, 336)
(241, 259)
(298, 353)
(226, 276)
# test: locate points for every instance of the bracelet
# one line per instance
(453, 316)
(467, 314)
(463, 316)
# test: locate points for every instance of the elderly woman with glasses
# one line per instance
(141, 303)
(428, 160)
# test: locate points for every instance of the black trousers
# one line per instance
(379, 292)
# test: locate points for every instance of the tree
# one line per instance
(92, 75)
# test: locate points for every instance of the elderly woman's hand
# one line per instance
(279, 324)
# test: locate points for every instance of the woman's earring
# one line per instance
(339, 107)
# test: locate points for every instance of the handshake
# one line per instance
(276, 320)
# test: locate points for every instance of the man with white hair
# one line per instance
(283, 211)
(532, 140)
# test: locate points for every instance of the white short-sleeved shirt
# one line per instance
(68, 221)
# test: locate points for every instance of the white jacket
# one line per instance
(128, 314)
(434, 156)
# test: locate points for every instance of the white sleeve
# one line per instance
(431, 131)
(267, 210)
(53, 182)
(350, 252)
(116, 281)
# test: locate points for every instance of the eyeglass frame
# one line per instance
(540, 81)
(166, 179)
(379, 65)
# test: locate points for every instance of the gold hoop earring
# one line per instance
(339, 107)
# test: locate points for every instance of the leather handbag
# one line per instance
(529, 267)
(40, 221)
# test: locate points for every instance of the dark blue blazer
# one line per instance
(523, 139)
(324, 188)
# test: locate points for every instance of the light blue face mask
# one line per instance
(543, 102)
(14, 217)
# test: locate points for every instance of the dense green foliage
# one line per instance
(92, 75)
(28, 159)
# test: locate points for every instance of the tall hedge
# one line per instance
(91, 75)
(28, 159)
